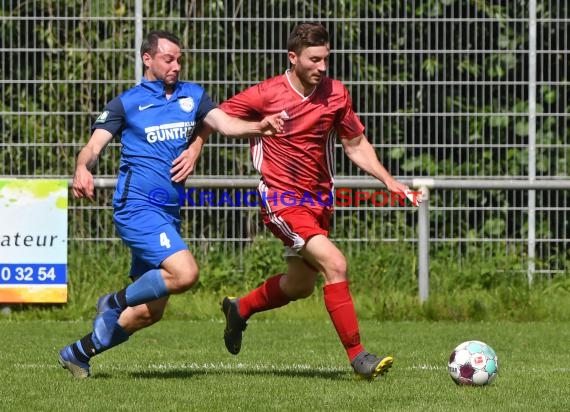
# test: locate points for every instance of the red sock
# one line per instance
(268, 296)
(343, 315)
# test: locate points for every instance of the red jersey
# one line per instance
(297, 166)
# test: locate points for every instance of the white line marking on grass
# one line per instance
(243, 366)
(427, 367)
(37, 365)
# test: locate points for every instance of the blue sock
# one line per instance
(150, 286)
(107, 332)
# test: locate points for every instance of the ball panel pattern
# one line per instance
(473, 363)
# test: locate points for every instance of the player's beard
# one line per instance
(310, 79)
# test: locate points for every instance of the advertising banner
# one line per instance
(33, 241)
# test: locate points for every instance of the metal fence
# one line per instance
(462, 92)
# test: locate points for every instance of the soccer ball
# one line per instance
(473, 363)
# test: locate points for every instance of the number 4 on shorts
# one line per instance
(164, 240)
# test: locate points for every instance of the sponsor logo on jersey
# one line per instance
(186, 104)
(169, 131)
(102, 117)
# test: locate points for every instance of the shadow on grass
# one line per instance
(185, 373)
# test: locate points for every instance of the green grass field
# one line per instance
(285, 365)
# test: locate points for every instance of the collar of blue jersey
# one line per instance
(155, 86)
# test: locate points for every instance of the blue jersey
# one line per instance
(154, 131)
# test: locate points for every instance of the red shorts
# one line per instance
(295, 225)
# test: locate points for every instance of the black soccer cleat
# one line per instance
(235, 325)
(368, 366)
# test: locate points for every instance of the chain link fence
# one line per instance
(446, 89)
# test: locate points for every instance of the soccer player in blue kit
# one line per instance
(155, 120)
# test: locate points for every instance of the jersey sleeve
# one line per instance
(349, 125)
(245, 105)
(112, 118)
(204, 107)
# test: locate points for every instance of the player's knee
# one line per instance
(180, 271)
(187, 278)
(336, 270)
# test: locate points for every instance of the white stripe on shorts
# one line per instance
(298, 241)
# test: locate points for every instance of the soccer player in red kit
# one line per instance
(296, 188)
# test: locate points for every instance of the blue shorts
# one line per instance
(152, 234)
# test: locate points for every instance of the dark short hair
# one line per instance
(150, 43)
(307, 35)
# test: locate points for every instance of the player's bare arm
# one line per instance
(83, 186)
(234, 127)
(362, 153)
(184, 165)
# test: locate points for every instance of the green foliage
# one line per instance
(71, 71)
(476, 284)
